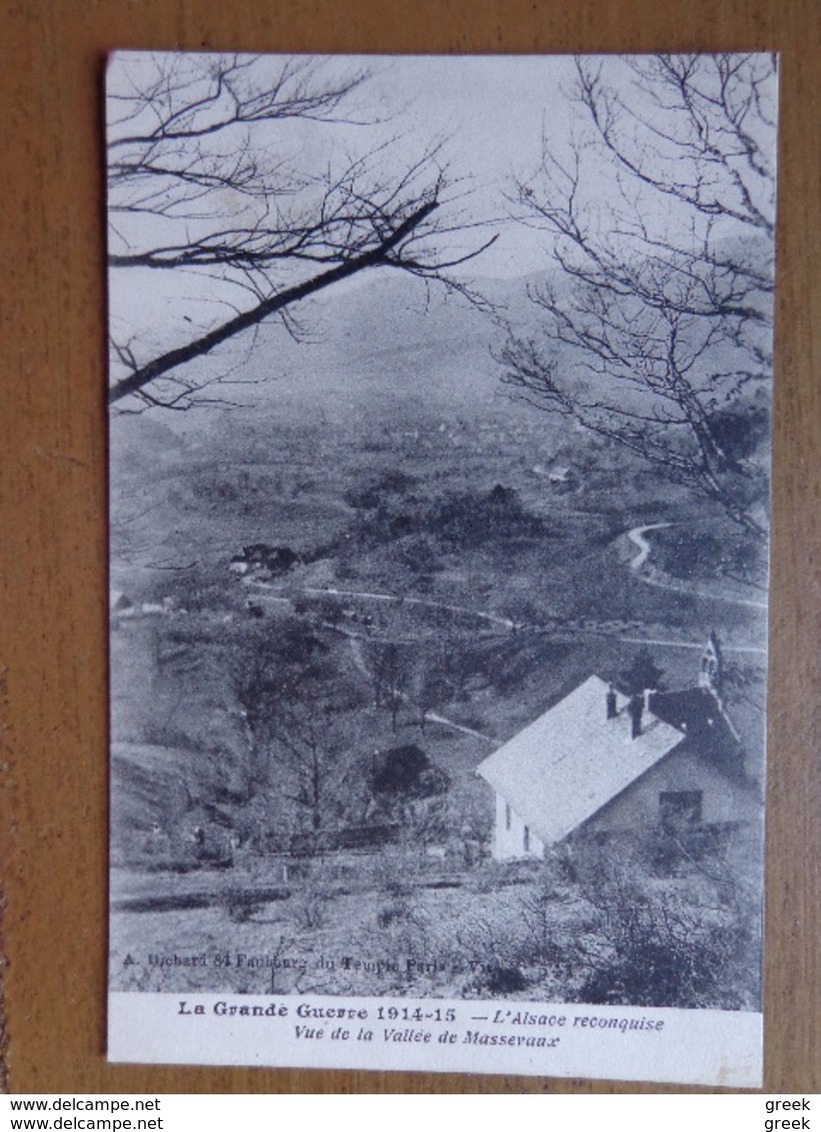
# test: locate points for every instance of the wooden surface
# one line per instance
(53, 698)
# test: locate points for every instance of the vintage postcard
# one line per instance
(440, 401)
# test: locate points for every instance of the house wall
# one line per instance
(509, 838)
(637, 807)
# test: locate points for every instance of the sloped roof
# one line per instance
(693, 709)
(562, 768)
(709, 729)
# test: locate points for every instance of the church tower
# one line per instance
(710, 672)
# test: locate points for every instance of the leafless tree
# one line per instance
(390, 669)
(222, 175)
(309, 757)
(292, 697)
(655, 331)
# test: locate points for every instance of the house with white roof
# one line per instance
(600, 761)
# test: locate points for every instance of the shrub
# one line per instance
(394, 912)
(310, 906)
(503, 980)
(688, 941)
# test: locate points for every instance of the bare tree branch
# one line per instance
(141, 376)
(207, 178)
(656, 328)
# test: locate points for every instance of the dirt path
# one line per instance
(636, 536)
(434, 717)
(400, 599)
(260, 589)
(697, 646)
(569, 632)
(661, 581)
(638, 565)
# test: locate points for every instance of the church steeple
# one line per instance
(710, 672)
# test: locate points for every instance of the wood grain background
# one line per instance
(53, 696)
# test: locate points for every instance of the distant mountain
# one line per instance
(390, 339)
(388, 343)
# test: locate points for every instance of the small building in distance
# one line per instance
(259, 558)
(600, 761)
(560, 475)
(119, 602)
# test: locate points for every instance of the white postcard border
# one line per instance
(690, 1047)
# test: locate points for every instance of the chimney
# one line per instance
(636, 710)
(612, 703)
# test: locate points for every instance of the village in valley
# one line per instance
(439, 537)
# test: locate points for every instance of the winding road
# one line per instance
(637, 565)
(662, 581)
(636, 536)
(460, 610)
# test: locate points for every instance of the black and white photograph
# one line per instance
(440, 442)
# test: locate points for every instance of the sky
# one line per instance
(489, 113)
(492, 111)
(492, 115)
